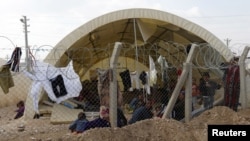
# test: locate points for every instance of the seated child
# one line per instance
(20, 109)
(78, 125)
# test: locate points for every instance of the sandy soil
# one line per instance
(147, 130)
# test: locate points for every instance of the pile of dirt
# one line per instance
(150, 130)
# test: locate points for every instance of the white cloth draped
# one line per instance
(41, 75)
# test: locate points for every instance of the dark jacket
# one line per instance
(208, 91)
(122, 120)
(96, 123)
(179, 109)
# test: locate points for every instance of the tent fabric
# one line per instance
(146, 30)
(106, 27)
(85, 45)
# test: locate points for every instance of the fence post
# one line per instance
(179, 84)
(188, 93)
(243, 92)
(113, 85)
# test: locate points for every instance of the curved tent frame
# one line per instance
(154, 25)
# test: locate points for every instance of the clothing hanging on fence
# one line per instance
(232, 87)
(144, 77)
(14, 61)
(6, 80)
(126, 80)
(58, 86)
(134, 79)
(104, 78)
(103, 86)
(152, 72)
(41, 75)
(164, 65)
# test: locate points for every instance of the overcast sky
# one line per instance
(51, 20)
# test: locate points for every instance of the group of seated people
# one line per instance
(82, 124)
(141, 109)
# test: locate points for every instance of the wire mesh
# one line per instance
(144, 92)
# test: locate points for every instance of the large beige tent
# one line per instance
(87, 44)
(142, 32)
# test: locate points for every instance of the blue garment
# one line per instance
(78, 125)
(134, 102)
(96, 123)
(141, 113)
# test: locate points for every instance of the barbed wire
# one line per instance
(8, 40)
(206, 57)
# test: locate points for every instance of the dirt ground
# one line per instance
(147, 130)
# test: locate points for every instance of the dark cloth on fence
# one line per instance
(58, 86)
(143, 77)
(14, 61)
(232, 87)
(126, 80)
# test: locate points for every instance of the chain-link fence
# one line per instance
(146, 78)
